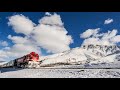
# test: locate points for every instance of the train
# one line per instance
(27, 61)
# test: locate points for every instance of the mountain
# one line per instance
(102, 50)
(86, 54)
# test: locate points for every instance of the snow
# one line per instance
(88, 54)
(61, 73)
(81, 62)
(85, 54)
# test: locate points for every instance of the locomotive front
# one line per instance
(27, 60)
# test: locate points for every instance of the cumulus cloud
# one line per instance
(47, 13)
(3, 43)
(22, 46)
(49, 34)
(109, 34)
(90, 41)
(52, 38)
(17, 50)
(116, 39)
(19, 39)
(21, 24)
(108, 21)
(108, 38)
(89, 32)
(49, 19)
(22, 49)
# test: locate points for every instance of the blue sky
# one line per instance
(74, 22)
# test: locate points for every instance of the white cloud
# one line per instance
(17, 50)
(21, 24)
(52, 38)
(3, 43)
(108, 21)
(90, 41)
(49, 34)
(116, 39)
(19, 39)
(22, 45)
(89, 33)
(22, 49)
(110, 34)
(49, 19)
(47, 13)
(109, 38)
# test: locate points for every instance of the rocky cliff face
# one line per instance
(102, 50)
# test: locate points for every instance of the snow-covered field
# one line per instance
(60, 73)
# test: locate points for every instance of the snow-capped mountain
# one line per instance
(86, 54)
(102, 50)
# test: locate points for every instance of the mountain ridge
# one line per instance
(86, 54)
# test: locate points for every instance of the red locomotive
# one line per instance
(27, 61)
(23, 61)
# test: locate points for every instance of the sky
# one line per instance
(54, 32)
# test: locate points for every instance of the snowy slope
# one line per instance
(89, 54)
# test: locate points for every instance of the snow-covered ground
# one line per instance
(59, 73)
